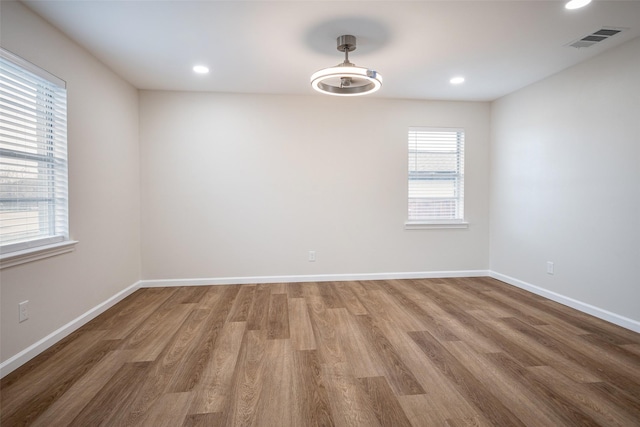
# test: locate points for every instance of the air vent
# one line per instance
(596, 37)
(607, 32)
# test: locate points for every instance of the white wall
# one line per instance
(565, 182)
(246, 185)
(104, 196)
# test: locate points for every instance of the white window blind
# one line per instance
(436, 175)
(33, 156)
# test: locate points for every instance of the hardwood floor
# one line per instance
(391, 353)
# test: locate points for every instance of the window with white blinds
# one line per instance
(436, 175)
(33, 156)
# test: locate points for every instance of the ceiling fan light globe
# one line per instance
(362, 81)
(576, 4)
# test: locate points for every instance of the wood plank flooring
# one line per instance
(437, 352)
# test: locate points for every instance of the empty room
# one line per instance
(317, 213)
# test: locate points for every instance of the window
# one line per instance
(436, 177)
(33, 157)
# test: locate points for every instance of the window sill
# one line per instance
(434, 225)
(33, 254)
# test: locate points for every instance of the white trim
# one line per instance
(600, 313)
(29, 245)
(310, 278)
(30, 352)
(33, 254)
(33, 350)
(32, 68)
(412, 225)
(434, 129)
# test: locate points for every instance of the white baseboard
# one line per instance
(600, 313)
(309, 278)
(30, 352)
(33, 350)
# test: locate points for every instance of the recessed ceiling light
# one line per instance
(576, 4)
(200, 69)
(457, 80)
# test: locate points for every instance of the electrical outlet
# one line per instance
(23, 311)
(549, 267)
(312, 256)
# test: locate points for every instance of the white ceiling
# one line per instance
(274, 46)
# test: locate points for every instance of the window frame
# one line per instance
(457, 175)
(47, 155)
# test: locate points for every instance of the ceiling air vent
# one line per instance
(596, 37)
